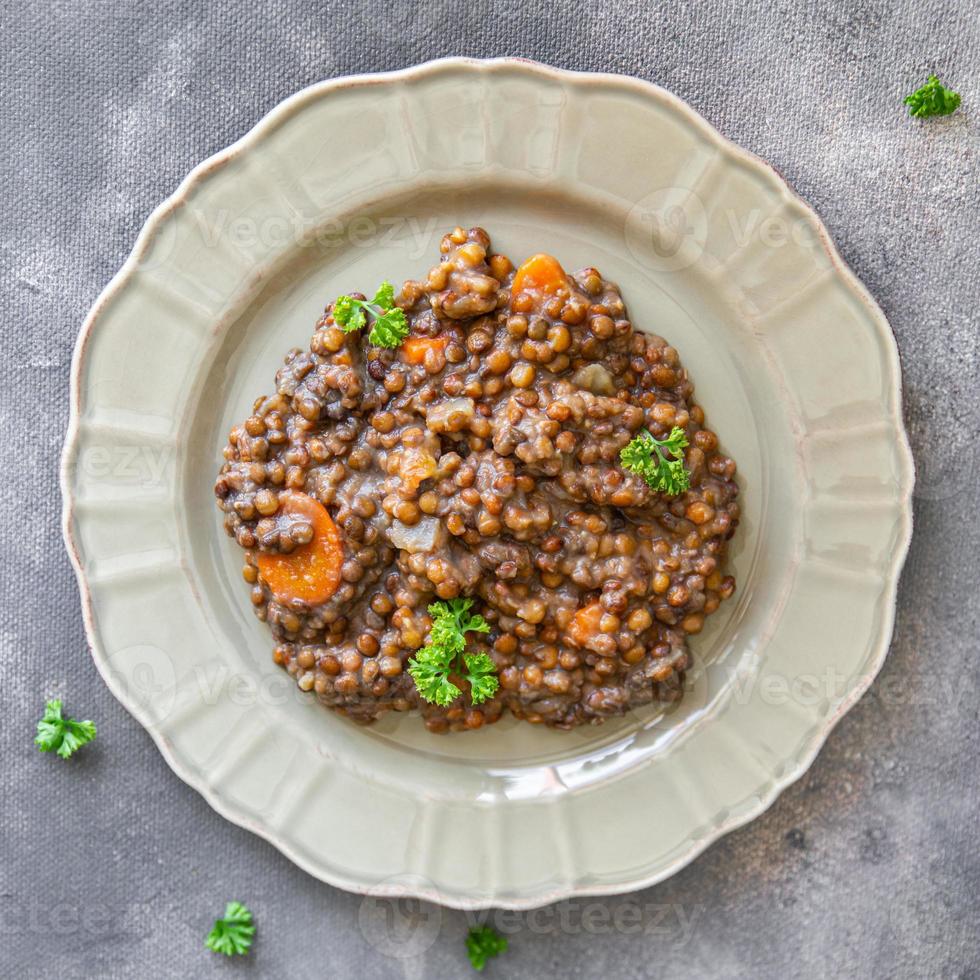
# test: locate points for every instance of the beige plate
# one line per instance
(355, 180)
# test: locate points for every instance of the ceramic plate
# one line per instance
(355, 180)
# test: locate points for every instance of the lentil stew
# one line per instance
(480, 458)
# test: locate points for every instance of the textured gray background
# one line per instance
(869, 866)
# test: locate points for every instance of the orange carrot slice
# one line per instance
(541, 274)
(585, 624)
(414, 349)
(311, 572)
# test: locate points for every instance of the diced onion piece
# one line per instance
(452, 415)
(594, 378)
(415, 466)
(423, 536)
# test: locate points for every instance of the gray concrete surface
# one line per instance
(869, 866)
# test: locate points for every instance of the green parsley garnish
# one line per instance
(933, 99)
(232, 934)
(482, 944)
(431, 666)
(62, 735)
(389, 326)
(648, 456)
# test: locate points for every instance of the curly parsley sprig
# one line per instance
(65, 736)
(932, 99)
(659, 461)
(233, 933)
(482, 944)
(389, 326)
(445, 653)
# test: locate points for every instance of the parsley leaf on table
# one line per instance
(65, 736)
(482, 944)
(649, 457)
(932, 99)
(232, 934)
(431, 666)
(389, 326)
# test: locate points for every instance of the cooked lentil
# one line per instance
(486, 464)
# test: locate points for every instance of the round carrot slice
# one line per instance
(414, 349)
(541, 274)
(311, 572)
